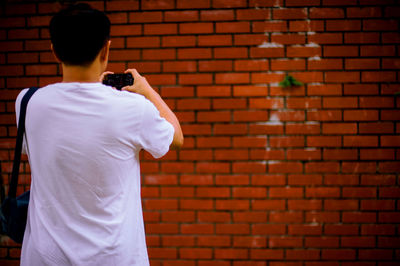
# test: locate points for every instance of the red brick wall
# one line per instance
(267, 176)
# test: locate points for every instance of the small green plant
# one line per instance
(289, 82)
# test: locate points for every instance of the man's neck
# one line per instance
(84, 74)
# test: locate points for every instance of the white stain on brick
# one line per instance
(270, 45)
(314, 58)
(312, 44)
(274, 84)
(275, 105)
(274, 120)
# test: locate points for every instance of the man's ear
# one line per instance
(54, 53)
(105, 51)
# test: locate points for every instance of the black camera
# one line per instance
(118, 81)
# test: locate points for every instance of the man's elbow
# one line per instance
(177, 142)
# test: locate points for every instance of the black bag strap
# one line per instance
(12, 191)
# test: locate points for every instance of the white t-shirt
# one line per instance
(83, 143)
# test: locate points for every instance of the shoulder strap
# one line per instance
(12, 191)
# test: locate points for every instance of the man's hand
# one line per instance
(140, 84)
(104, 74)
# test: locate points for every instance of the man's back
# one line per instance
(83, 144)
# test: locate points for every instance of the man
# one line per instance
(83, 141)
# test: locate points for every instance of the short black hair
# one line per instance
(78, 33)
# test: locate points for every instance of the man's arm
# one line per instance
(141, 86)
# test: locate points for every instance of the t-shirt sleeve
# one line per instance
(17, 111)
(156, 133)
